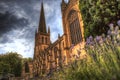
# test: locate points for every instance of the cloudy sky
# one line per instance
(19, 19)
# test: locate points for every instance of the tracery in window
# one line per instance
(74, 24)
(42, 40)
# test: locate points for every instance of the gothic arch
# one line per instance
(74, 27)
(57, 54)
(72, 15)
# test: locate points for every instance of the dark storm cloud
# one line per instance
(16, 15)
(5, 39)
(20, 18)
(29, 10)
(8, 21)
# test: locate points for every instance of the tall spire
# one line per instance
(62, 1)
(42, 23)
(48, 29)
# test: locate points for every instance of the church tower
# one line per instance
(42, 36)
(50, 57)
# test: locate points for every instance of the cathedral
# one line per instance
(51, 56)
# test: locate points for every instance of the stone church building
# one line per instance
(51, 56)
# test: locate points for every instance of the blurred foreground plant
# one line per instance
(102, 62)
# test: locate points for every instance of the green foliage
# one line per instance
(4, 68)
(97, 14)
(11, 63)
(26, 68)
(27, 60)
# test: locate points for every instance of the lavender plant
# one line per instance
(102, 62)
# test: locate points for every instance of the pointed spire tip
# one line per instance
(42, 23)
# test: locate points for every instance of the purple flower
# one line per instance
(111, 25)
(88, 41)
(109, 32)
(116, 30)
(91, 43)
(91, 38)
(108, 37)
(104, 39)
(99, 39)
(118, 22)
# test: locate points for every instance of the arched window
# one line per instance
(56, 56)
(56, 52)
(74, 25)
(42, 40)
(46, 40)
